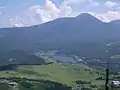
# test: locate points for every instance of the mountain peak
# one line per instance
(84, 15)
(87, 17)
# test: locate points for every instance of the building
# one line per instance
(115, 84)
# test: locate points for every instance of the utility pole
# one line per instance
(107, 65)
(107, 68)
(107, 76)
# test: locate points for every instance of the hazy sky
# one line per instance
(16, 13)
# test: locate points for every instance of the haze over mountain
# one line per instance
(84, 35)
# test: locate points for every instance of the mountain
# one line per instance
(88, 17)
(83, 35)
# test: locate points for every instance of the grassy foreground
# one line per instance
(57, 72)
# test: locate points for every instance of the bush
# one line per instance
(100, 78)
(86, 89)
(82, 82)
(102, 87)
(93, 86)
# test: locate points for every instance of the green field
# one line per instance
(116, 57)
(57, 72)
(63, 73)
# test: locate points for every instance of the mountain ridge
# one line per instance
(82, 15)
(69, 34)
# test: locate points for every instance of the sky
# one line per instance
(19, 13)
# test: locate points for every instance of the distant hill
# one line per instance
(17, 57)
(84, 35)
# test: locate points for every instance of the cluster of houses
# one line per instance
(8, 83)
(115, 84)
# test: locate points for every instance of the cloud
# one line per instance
(17, 25)
(109, 16)
(49, 11)
(110, 4)
(2, 6)
(16, 22)
(49, 5)
(37, 14)
(65, 10)
(1, 13)
(82, 5)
